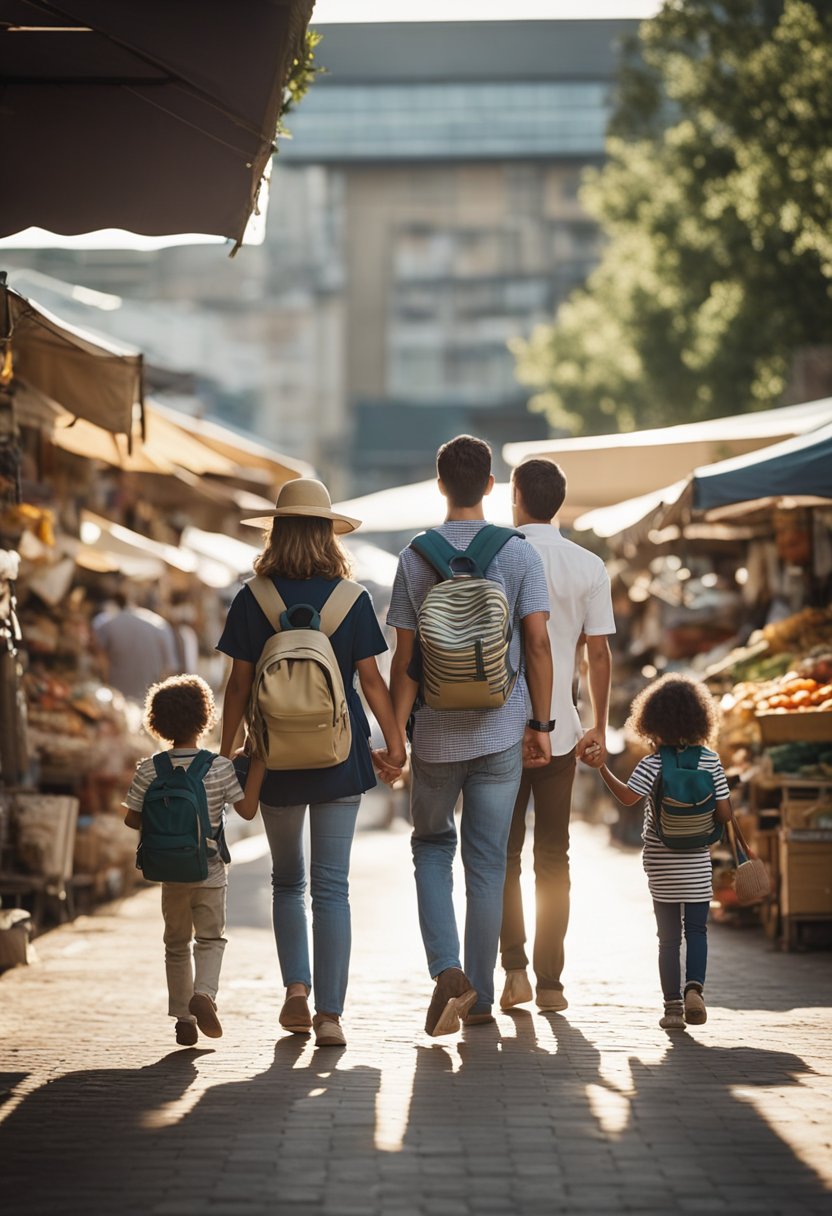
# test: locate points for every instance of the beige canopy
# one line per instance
(92, 378)
(602, 470)
(243, 450)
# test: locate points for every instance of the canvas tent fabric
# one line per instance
(92, 378)
(797, 471)
(243, 450)
(154, 118)
(603, 470)
(415, 506)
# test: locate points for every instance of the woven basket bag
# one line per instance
(751, 881)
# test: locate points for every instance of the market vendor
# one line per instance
(136, 645)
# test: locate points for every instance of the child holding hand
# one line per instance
(677, 715)
(179, 712)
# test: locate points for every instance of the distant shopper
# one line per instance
(180, 711)
(580, 606)
(687, 801)
(303, 595)
(449, 655)
(138, 646)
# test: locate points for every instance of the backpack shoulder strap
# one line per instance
(436, 551)
(163, 764)
(487, 544)
(690, 757)
(269, 599)
(200, 764)
(340, 601)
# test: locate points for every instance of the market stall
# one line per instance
(728, 575)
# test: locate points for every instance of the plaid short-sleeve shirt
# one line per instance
(443, 736)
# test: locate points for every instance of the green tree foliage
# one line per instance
(716, 202)
(301, 77)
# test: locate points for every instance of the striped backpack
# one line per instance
(464, 625)
(684, 801)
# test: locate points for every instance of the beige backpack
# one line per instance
(298, 716)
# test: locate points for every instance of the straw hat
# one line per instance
(305, 497)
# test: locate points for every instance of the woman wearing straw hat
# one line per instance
(303, 562)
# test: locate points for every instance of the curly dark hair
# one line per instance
(179, 709)
(674, 710)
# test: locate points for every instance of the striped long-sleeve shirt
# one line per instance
(683, 877)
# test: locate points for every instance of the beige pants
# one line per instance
(192, 910)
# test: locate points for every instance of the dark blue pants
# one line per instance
(670, 919)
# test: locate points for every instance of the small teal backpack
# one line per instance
(684, 801)
(176, 827)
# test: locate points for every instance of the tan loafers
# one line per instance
(452, 997)
(551, 1000)
(328, 1032)
(517, 989)
(295, 1015)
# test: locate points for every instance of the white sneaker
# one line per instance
(517, 991)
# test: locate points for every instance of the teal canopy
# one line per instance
(796, 468)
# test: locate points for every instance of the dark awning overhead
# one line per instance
(155, 118)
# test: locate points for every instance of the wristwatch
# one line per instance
(544, 727)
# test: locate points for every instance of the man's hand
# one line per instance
(537, 748)
(592, 748)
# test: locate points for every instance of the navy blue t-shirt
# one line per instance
(357, 637)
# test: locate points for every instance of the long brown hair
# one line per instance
(300, 546)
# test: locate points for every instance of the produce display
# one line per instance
(812, 761)
(806, 687)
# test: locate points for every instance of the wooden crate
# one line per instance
(806, 873)
(808, 726)
(804, 803)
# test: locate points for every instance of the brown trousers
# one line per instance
(552, 790)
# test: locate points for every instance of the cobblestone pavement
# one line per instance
(595, 1111)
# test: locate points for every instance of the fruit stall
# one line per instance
(776, 741)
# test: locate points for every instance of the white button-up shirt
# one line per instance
(580, 602)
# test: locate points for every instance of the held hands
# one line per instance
(592, 749)
(537, 748)
(389, 762)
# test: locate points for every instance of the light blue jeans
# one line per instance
(488, 785)
(332, 827)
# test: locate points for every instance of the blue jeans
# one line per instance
(669, 920)
(488, 785)
(332, 827)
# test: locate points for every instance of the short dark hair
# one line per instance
(179, 708)
(542, 484)
(464, 465)
(674, 710)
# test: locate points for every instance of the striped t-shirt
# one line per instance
(221, 788)
(675, 877)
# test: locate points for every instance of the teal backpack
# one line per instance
(176, 828)
(684, 801)
(463, 633)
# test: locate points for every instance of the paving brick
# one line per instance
(598, 1111)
